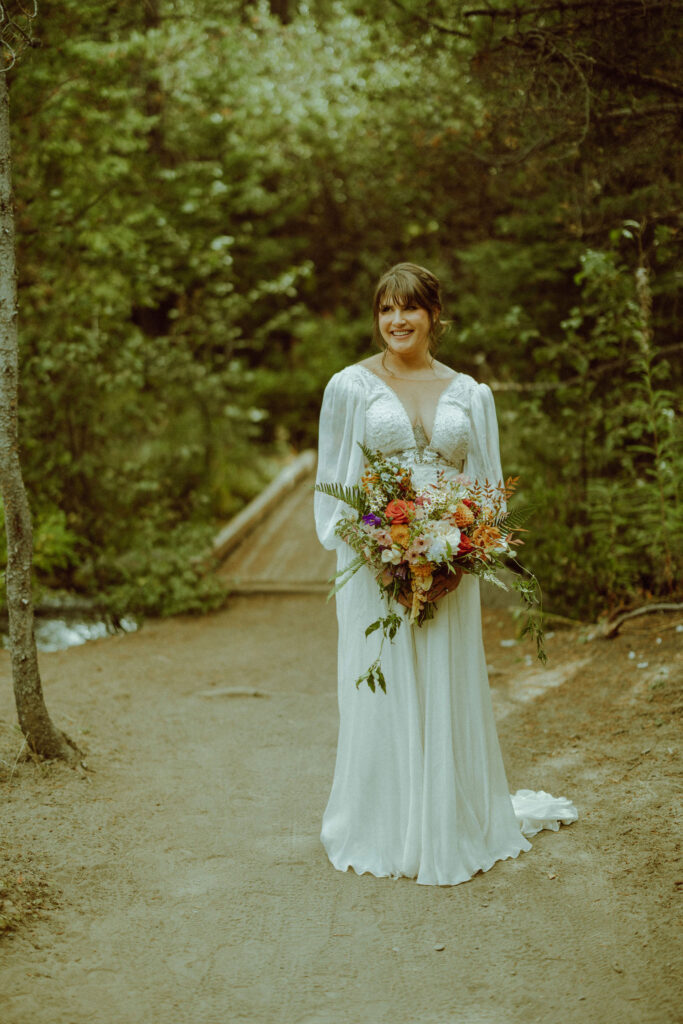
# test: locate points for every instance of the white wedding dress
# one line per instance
(419, 785)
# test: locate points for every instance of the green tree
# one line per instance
(41, 735)
(192, 278)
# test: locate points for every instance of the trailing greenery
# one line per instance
(205, 195)
(531, 616)
(374, 677)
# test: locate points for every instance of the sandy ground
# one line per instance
(181, 879)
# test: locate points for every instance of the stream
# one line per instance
(58, 634)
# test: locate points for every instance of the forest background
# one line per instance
(206, 193)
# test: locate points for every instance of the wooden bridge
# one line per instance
(271, 546)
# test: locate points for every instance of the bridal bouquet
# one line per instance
(413, 536)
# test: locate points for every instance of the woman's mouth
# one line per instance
(400, 334)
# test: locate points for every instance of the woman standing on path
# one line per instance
(419, 786)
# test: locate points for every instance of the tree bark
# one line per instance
(35, 722)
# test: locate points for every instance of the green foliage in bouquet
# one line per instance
(410, 532)
(514, 519)
(354, 497)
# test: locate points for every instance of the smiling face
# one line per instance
(406, 310)
(405, 327)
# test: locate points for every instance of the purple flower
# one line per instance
(372, 520)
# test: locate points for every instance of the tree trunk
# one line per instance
(34, 719)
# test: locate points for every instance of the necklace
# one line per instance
(413, 380)
(416, 380)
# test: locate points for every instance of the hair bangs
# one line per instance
(403, 288)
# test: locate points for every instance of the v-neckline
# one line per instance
(399, 400)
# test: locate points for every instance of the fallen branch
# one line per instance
(610, 627)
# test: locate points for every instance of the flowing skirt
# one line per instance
(419, 786)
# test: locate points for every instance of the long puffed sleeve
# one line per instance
(340, 460)
(483, 456)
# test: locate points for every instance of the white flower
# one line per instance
(392, 555)
(452, 538)
(436, 552)
(444, 544)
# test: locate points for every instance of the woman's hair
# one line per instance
(410, 285)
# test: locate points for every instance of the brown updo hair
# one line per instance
(410, 285)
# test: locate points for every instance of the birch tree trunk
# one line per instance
(35, 722)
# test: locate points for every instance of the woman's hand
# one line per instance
(444, 583)
(404, 595)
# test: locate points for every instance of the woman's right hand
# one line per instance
(404, 595)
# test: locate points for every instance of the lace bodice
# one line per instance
(421, 442)
(388, 426)
(358, 406)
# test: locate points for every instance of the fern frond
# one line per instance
(372, 457)
(355, 496)
(506, 521)
(344, 575)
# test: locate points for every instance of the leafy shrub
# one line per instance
(160, 575)
(598, 449)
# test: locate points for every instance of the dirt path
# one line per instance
(183, 879)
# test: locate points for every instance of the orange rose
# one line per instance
(400, 534)
(400, 511)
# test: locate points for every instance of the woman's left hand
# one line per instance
(444, 584)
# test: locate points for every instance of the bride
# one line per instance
(419, 785)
